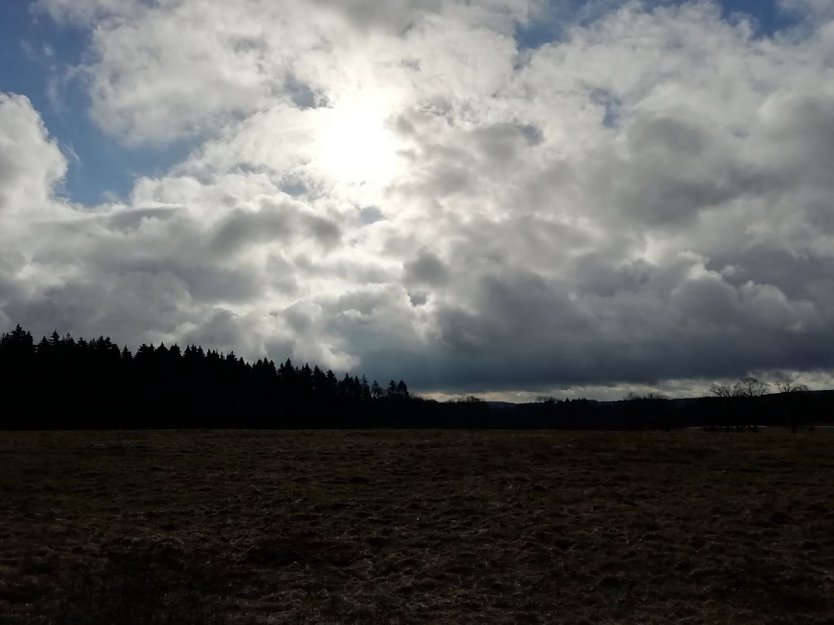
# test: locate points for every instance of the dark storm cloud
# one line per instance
(243, 229)
(120, 309)
(502, 142)
(803, 128)
(222, 329)
(672, 168)
(426, 269)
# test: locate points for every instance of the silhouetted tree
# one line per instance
(65, 382)
(791, 406)
(750, 387)
(721, 390)
(402, 390)
(167, 386)
(376, 390)
(789, 386)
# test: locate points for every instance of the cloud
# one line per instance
(87, 11)
(413, 192)
(426, 269)
(31, 165)
(808, 8)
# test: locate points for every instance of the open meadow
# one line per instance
(397, 527)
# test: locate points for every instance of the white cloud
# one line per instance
(31, 164)
(815, 8)
(406, 191)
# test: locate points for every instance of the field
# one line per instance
(416, 527)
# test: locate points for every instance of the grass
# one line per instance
(416, 527)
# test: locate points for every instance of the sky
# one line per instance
(508, 198)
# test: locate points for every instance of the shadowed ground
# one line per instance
(416, 527)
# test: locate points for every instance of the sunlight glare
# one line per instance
(356, 146)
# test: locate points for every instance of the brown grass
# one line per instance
(416, 527)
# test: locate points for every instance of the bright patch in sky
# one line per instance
(355, 144)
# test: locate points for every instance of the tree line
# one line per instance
(64, 383)
(61, 381)
(745, 405)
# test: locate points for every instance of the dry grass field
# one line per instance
(107, 528)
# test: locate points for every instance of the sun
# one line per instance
(356, 145)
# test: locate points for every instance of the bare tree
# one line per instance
(790, 390)
(750, 387)
(746, 389)
(721, 390)
(733, 410)
(789, 386)
(722, 411)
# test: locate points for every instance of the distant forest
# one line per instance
(65, 383)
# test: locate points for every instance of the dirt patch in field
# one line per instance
(416, 527)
